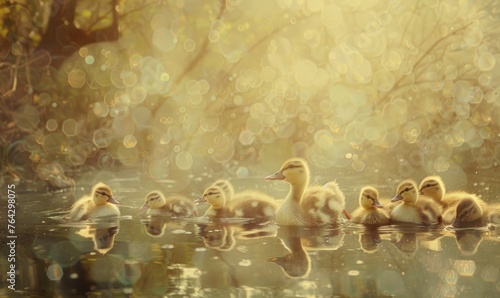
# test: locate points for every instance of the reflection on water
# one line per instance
(151, 256)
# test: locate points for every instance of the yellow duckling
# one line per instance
(247, 194)
(316, 206)
(257, 208)
(417, 209)
(99, 204)
(370, 212)
(216, 198)
(433, 187)
(470, 213)
(176, 206)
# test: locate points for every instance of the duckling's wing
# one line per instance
(322, 205)
(80, 210)
(179, 206)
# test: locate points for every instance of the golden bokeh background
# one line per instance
(238, 86)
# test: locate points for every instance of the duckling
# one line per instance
(370, 212)
(255, 207)
(216, 198)
(97, 205)
(433, 187)
(414, 209)
(316, 206)
(247, 194)
(176, 206)
(470, 213)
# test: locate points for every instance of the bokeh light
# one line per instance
(344, 85)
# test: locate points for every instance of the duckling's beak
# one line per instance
(377, 204)
(145, 206)
(200, 200)
(113, 201)
(396, 198)
(276, 176)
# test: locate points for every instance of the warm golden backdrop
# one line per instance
(191, 86)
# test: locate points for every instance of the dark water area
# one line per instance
(137, 256)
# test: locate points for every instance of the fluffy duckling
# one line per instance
(216, 198)
(433, 187)
(97, 205)
(370, 212)
(248, 194)
(176, 206)
(255, 207)
(470, 213)
(316, 206)
(415, 208)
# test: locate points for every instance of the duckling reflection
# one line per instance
(369, 240)
(406, 243)
(155, 226)
(222, 236)
(297, 263)
(102, 234)
(468, 241)
(218, 236)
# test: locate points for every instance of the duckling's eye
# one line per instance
(102, 193)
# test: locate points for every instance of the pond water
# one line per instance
(136, 256)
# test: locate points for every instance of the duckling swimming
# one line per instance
(257, 208)
(314, 206)
(471, 214)
(414, 209)
(433, 187)
(176, 205)
(99, 204)
(370, 212)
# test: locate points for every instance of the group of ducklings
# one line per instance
(309, 206)
(427, 204)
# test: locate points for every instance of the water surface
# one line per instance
(137, 256)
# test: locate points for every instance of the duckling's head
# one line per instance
(406, 191)
(102, 194)
(226, 186)
(368, 198)
(154, 200)
(432, 186)
(214, 196)
(468, 213)
(293, 171)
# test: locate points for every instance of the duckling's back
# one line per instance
(252, 204)
(321, 205)
(81, 209)
(179, 206)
